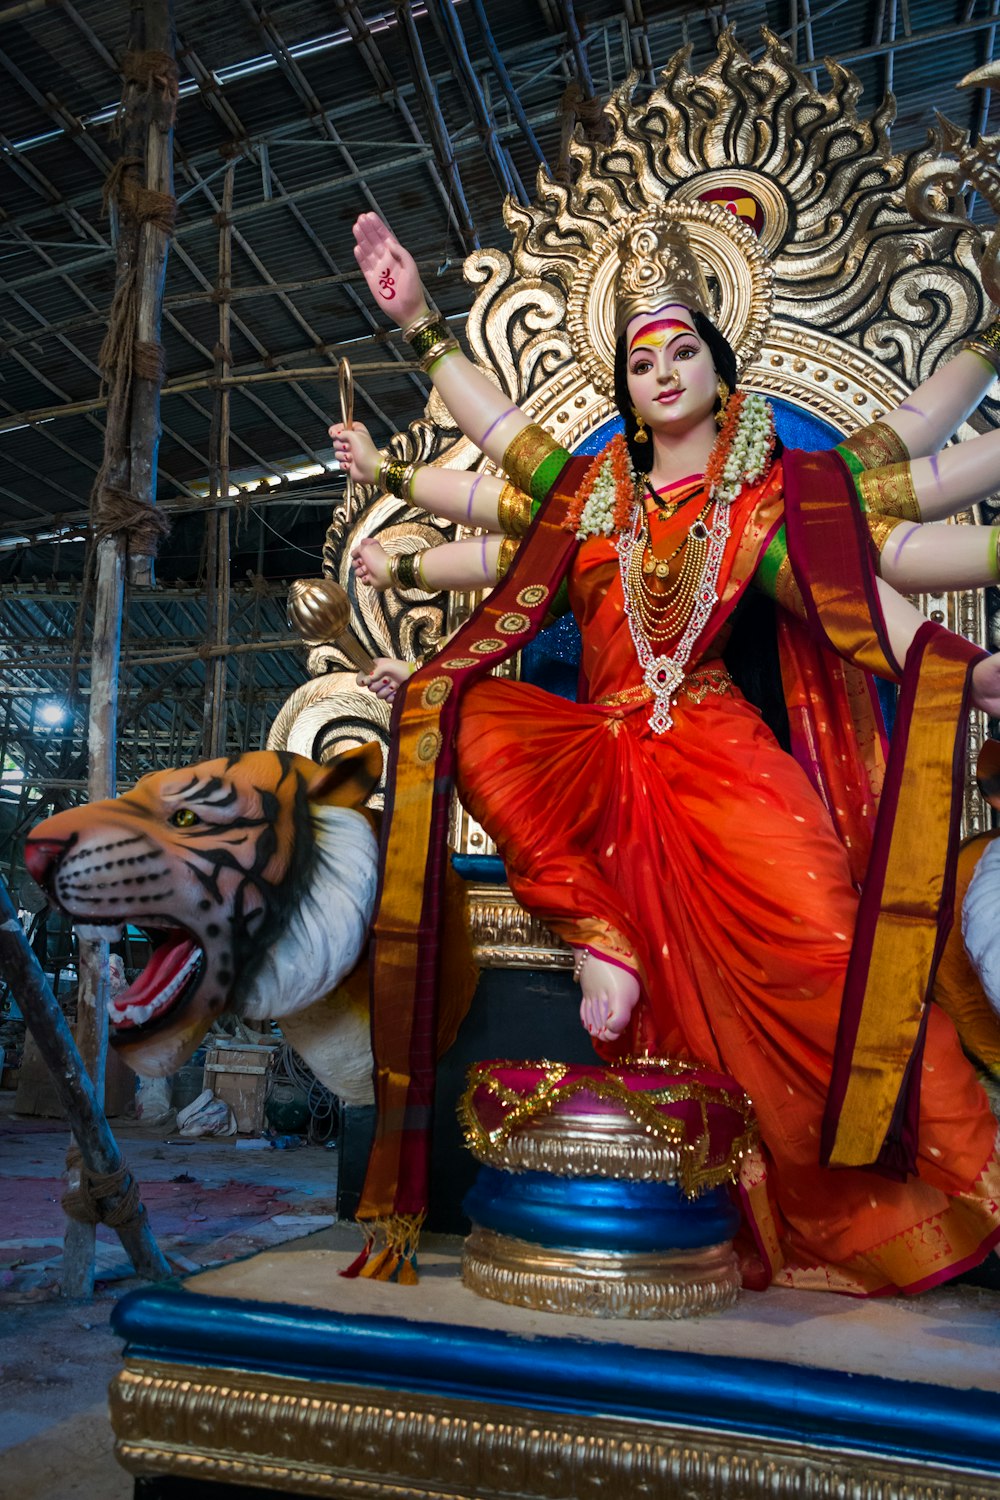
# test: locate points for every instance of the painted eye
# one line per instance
(184, 818)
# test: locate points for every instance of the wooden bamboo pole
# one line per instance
(154, 243)
(131, 440)
(93, 990)
(217, 522)
(77, 1094)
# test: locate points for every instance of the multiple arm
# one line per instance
(932, 414)
(914, 556)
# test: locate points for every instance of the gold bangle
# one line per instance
(426, 320)
(405, 571)
(425, 335)
(418, 570)
(408, 478)
(513, 511)
(506, 555)
(436, 351)
(995, 544)
(393, 477)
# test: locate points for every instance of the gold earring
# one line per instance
(641, 435)
(723, 390)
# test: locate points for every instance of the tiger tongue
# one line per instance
(166, 963)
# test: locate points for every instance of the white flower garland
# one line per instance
(599, 511)
(749, 451)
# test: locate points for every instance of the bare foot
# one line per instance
(610, 994)
(371, 563)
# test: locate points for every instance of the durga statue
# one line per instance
(750, 875)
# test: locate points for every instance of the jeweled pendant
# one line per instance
(663, 676)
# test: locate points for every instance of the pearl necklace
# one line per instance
(664, 674)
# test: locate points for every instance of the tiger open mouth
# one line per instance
(172, 972)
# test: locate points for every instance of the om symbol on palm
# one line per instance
(387, 285)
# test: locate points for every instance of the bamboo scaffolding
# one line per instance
(75, 1088)
(182, 386)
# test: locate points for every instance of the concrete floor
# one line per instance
(209, 1202)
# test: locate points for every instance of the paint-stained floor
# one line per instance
(209, 1202)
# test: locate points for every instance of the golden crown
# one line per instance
(664, 254)
(658, 267)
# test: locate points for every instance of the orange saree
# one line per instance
(704, 858)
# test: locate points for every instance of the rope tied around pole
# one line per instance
(124, 358)
(88, 1203)
(114, 510)
(150, 69)
(149, 362)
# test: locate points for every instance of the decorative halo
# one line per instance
(738, 271)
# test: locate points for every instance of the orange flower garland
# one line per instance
(724, 441)
(621, 478)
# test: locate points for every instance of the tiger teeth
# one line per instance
(138, 1014)
(93, 932)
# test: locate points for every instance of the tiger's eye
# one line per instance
(184, 817)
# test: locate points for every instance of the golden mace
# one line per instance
(318, 608)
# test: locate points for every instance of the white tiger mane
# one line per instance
(325, 932)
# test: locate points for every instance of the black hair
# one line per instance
(751, 657)
(752, 661)
(723, 359)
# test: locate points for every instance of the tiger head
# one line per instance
(253, 876)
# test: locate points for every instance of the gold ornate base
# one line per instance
(595, 1284)
(310, 1438)
(582, 1145)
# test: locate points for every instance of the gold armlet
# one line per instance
(877, 445)
(786, 590)
(513, 511)
(880, 529)
(508, 551)
(888, 491)
(525, 455)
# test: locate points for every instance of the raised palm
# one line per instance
(390, 271)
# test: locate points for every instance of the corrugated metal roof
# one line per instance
(293, 211)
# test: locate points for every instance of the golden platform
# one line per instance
(275, 1376)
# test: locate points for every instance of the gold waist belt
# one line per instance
(696, 685)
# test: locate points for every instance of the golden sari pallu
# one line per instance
(906, 900)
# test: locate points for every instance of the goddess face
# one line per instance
(671, 377)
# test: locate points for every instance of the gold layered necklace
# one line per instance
(679, 612)
(663, 612)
